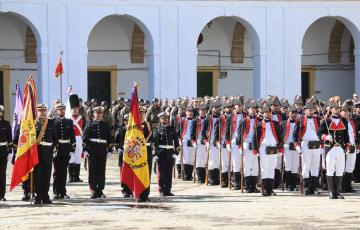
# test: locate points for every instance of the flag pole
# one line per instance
(61, 88)
(31, 187)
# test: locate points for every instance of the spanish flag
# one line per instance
(135, 172)
(27, 154)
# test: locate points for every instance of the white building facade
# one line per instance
(181, 48)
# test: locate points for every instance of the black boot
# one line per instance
(187, 173)
(277, 179)
(26, 196)
(349, 180)
(236, 180)
(315, 184)
(77, 173)
(190, 172)
(71, 172)
(178, 168)
(200, 178)
(338, 187)
(224, 180)
(288, 181)
(211, 177)
(247, 184)
(344, 186)
(331, 187)
(265, 185)
(217, 176)
(253, 180)
(203, 174)
(308, 185)
(271, 186)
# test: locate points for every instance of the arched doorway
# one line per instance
(228, 62)
(328, 61)
(118, 48)
(19, 42)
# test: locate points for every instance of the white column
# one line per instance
(188, 72)
(154, 83)
(43, 86)
(259, 73)
(357, 70)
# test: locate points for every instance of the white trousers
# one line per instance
(201, 155)
(350, 162)
(76, 156)
(251, 165)
(235, 156)
(267, 163)
(214, 157)
(291, 160)
(335, 161)
(225, 160)
(310, 160)
(188, 152)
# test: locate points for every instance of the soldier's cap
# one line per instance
(60, 106)
(357, 104)
(203, 107)
(2, 108)
(41, 106)
(309, 105)
(265, 108)
(293, 109)
(93, 100)
(334, 105)
(355, 94)
(127, 101)
(345, 107)
(251, 104)
(163, 115)
(237, 102)
(56, 101)
(298, 100)
(227, 105)
(103, 103)
(215, 104)
(98, 109)
(155, 100)
(126, 117)
(349, 102)
(260, 103)
(121, 99)
(285, 103)
(273, 100)
(189, 108)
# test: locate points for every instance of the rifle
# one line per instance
(220, 152)
(86, 163)
(300, 175)
(242, 173)
(181, 153)
(282, 172)
(229, 171)
(207, 167)
(196, 137)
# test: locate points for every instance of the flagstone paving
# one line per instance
(194, 207)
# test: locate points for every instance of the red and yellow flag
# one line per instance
(27, 154)
(59, 70)
(135, 171)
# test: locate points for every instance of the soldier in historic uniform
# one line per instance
(334, 132)
(248, 132)
(201, 152)
(47, 142)
(97, 145)
(309, 145)
(66, 144)
(6, 145)
(152, 114)
(188, 142)
(225, 142)
(291, 157)
(298, 103)
(267, 143)
(166, 144)
(79, 123)
(356, 117)
(351, 151)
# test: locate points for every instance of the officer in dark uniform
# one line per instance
(66, 145)
(166, 146)
(5, 151)
(97, 141)
(47, 140)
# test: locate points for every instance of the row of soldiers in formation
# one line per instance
(220, 141)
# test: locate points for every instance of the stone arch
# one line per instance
(238, 40)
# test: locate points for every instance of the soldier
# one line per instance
(309, 145)
(334, 132)
(90, 111)
(97, 141)
(52, 113)
(267, 142)
(188, 141)
(356, 117)
(224, 143)
(284, 109)
(248, 131)
(152, 114)
(298, 103)
(351, 153)
(107, 114)
(116, 111)
(79, 123)
(47, 141)
(201, 152)
(66, 144)
(125, 110)
(6, 146)
(291, 156)
(166, 146)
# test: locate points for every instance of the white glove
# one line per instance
(71, 153)
(357, 151)
(108, 154)
(9, 157)
(207, 145)
(174, 156)
(54, 154)
(218, 145)
(329, 138)
(155, 158)
(119, 151)
(194, 145)
(298, 149)
(228, 148)
(86, 154)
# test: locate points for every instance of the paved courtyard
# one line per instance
(194, 207)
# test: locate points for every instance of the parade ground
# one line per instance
(194, 207)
